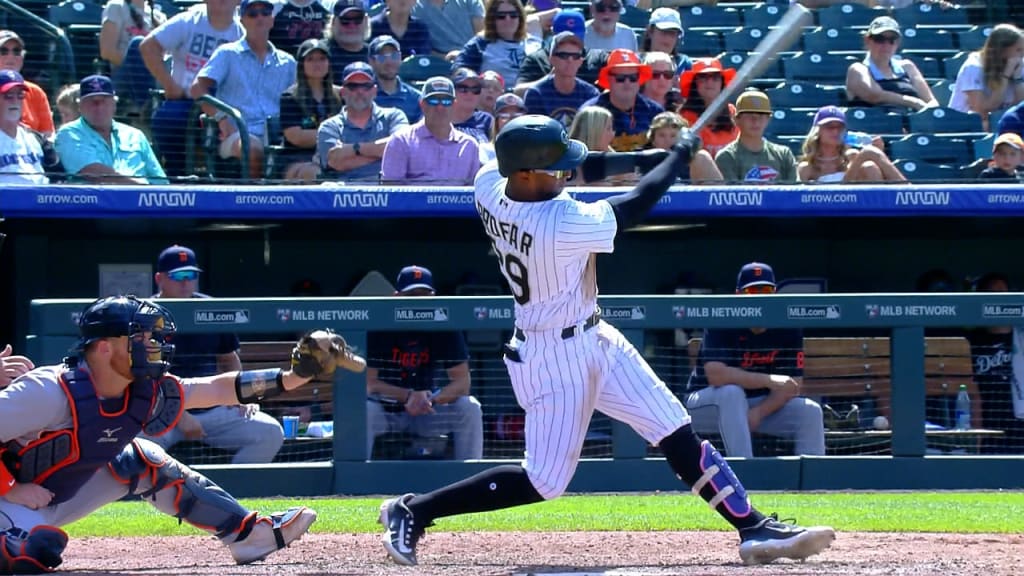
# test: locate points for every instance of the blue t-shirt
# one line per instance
(1012, 120)
(414, 360)
(406, 99)
(543, 99)
(478, 126)
(776, 351)
(630, 125)
(416, 39)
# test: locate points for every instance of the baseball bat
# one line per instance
(786, 32)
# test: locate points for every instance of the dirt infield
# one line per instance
(506, 554)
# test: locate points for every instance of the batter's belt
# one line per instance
(569, 331)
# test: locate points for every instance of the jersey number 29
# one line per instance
(517, 275)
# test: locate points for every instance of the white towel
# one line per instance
(1017, 383)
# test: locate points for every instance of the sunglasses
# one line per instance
(666, 74)
(183, 275)
(608, 7)
(474, 89)
(358, 85)
(14, 51)
(386, 56)
(568, 55)
(503, 15)
(623, 78)
(12, 95)
(559, 174)
(352, 21)
(509, 115)
(761, 289)
(257, 12)
(437, 101)
(885, 39)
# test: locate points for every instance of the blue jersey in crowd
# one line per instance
(776, 351)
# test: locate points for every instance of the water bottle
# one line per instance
(858, 139)
(963, 409)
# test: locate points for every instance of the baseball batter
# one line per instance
(69, 445)
(564, 361)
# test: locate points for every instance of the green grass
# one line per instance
(978, 512)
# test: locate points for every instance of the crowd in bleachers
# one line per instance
(415, 90)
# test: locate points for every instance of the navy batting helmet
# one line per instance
(115, 316)
(534, 142)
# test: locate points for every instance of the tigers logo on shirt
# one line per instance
(761, 174)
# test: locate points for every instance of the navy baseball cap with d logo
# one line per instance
(414, 277)
(755, 274)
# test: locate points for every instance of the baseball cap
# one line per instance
(413, 277)
(623, 58)
(356, 69)
(313, 44)
(95, 85)
(1011, 139)
(829, 114)
(177, 259)
(883, 24)
(246, 3)
(509, 100)
(755, 274)
(462, 74)
(569, 21)
(10, 79)
(492, 75)
(666, 19)
(753, 101)
(8, 35)
(704, 66)
(383, 40)
(343, 6)
(438, 86)
(566, 36)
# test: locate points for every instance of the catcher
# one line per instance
(69, 445)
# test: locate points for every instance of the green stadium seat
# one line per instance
(786, 122)
(918, 171)
(923, 13)
(973, 38)
(930, 148)
(702, 44)
(848, 15)
(931, 68)
(943, 121)
(742, 39)
(763, 15)
(951, 66)
(802, 95)
(874, 120)
(830, 40)
(703, 16)
(983, 147)
(634, 17)
(813, 67)
(419, 68)
(930, 40)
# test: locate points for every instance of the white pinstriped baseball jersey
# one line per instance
(545, 250)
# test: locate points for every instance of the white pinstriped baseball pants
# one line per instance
(559, 383)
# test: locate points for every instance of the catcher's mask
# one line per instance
(148, 325)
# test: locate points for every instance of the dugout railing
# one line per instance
(905, 316)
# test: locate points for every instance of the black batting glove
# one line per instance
(688, 144)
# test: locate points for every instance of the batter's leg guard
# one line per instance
(35, 552)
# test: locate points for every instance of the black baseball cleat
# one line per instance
(401, 530)
(770, 540)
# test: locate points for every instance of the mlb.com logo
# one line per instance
(421, 314)
(484, 313)
(679, 311)
(872, 310)
(284, 314)
(624, 312)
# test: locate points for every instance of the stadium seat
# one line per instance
(983, 147)
(786, 122)
(702, 16)
(943, 121)
(824, 68)
(763, 15)
(931, 40)
(831, 40)
(943, 90)
(743, 39)
(929, 148)
(633, 17)
(923, 13)
(736, 59)
(848, 16)
(973, 38)
(920, 171)
(951, 66)
(874, 120)
(702, 44)
(802, 95)
(931, 68)
(76, 12)
(419, 68)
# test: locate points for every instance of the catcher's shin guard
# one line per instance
(175, 489)
(35, 552)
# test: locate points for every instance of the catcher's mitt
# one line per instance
(319, 352)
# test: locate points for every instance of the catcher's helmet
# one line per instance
(115, 316)
(534, 142)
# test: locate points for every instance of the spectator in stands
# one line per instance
(663, 75)
(230, 72)
(508, 107)
(604, 31)
(398, 22)
(351, 143)
(664, 133)
(561, 93)
(537, 65)
(883, 78)
(465, 115)
(419, 381)
(621, 78)
(663, 34)
(252, 435)
(432, 151)
(993, 78)
(700, 86)
(348, 34)
(125, 24)
(296, 21)
(1007, 158)
(35, 113)
(996, 366)
(1012, 120)
(827, 158)
(502, 44)
(21, 154)
(451, 23)
(493, 86)
(304, 106)
(385, 59)
(748, 380)
(189, 37)
(595, 127)
(99, 149)
(752, 158)
(67, 103)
